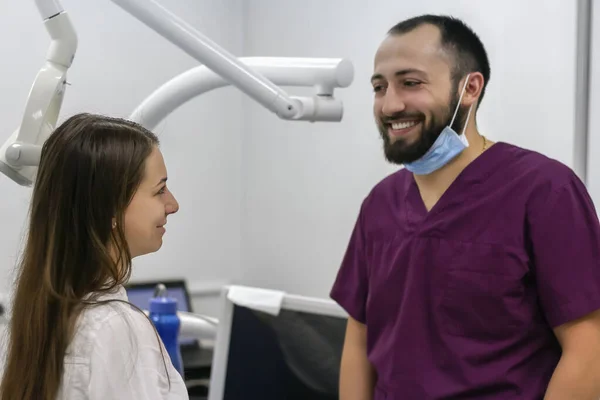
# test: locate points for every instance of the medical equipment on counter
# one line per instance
(256, 77)
(196, 326)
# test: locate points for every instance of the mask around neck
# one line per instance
(447, 146)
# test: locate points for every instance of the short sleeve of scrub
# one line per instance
(351, 287)
(564, 235)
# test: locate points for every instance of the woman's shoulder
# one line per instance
(112, 322)
(115, 319)
(115, 335)
(125, 354)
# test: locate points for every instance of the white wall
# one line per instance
(593, 143)
(303, 184)
(119, 62)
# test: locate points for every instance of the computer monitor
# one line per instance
(140, 293)
(294, 355)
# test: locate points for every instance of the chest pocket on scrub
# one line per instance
(482, 291)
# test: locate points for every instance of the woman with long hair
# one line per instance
(99, 200)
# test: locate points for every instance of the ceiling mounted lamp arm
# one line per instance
(207, 52)
(20, 154)
(323, 74)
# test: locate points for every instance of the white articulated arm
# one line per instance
(324, 74)
(49, 8)
(195, 326)
(237, 73)
(256, 77)
(209, 53)
(20, 154)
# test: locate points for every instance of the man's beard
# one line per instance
(400, 152)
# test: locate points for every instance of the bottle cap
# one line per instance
(161, 303)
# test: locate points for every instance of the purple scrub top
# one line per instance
(460, 302)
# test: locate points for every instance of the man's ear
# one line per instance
(473, 89)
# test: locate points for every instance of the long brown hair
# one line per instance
(90, 168)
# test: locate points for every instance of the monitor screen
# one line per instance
(294, 355)
(140, 295)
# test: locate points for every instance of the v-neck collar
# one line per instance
(475, 173)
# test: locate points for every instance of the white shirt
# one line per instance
(115, 354)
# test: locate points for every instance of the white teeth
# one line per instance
(403, 125)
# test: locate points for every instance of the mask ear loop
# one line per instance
(462, 137)
(462, 92)
(467, 121)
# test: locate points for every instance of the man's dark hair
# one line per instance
(459, 40)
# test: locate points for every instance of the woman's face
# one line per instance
(146, 215)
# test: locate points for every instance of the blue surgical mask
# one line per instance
(447, 146)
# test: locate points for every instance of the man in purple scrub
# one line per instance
(474, 271)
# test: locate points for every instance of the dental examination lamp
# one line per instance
(257, 77)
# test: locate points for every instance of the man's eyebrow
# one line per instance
(401, 72)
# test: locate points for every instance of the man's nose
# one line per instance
(393, 103)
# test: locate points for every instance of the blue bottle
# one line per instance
(163, 314)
